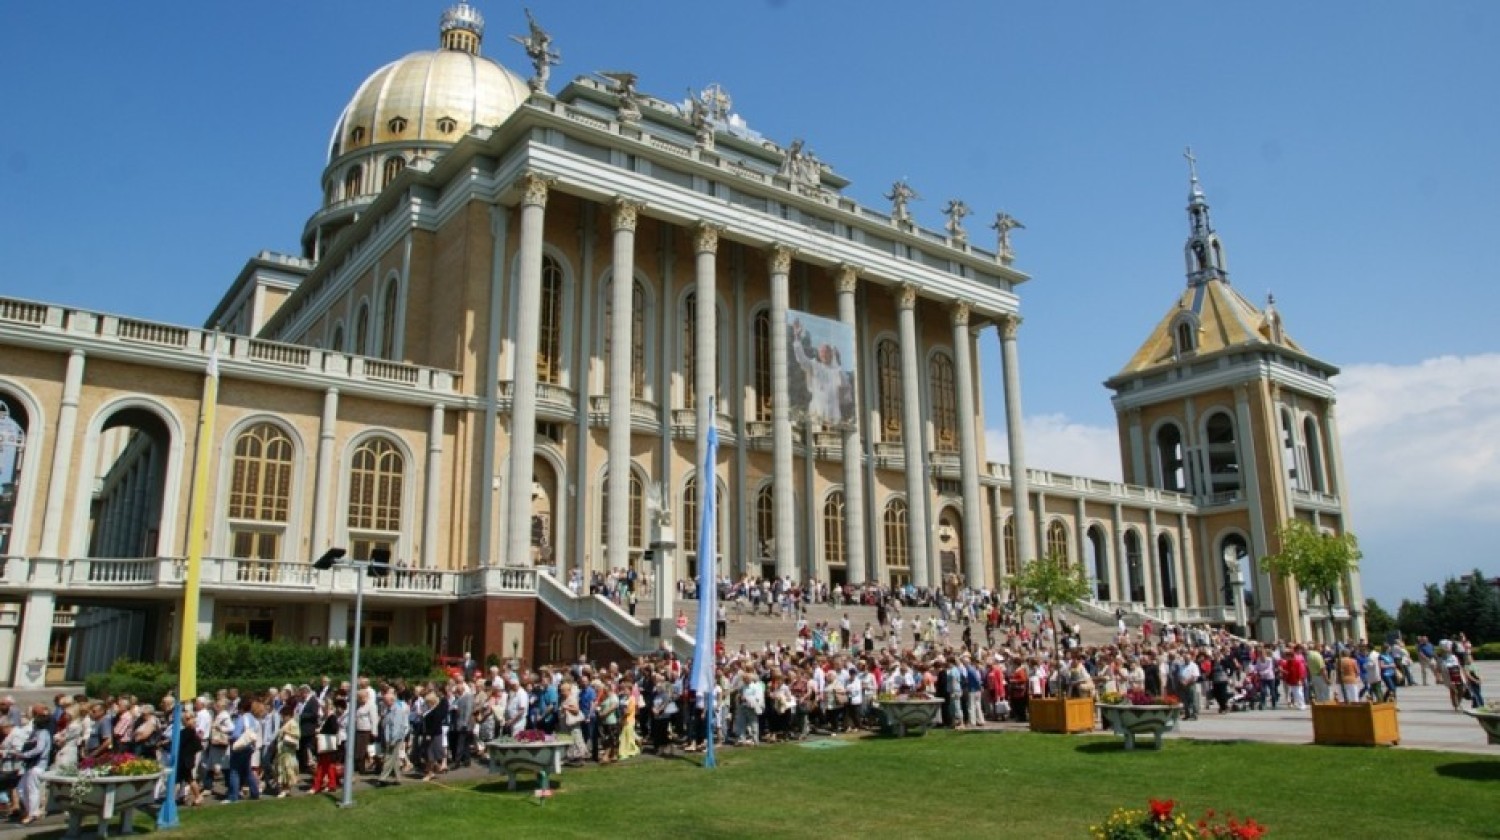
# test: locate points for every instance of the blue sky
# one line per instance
(1347, 149)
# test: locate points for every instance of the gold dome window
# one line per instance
(357, 134)
(396, 125)
(447, 125)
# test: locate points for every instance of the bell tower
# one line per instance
(1222, 406)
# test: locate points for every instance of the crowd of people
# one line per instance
(828, 677)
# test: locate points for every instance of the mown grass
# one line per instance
(944, 785)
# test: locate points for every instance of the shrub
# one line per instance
(1487, 651)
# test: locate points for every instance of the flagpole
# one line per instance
(187, 676)
(705, 658)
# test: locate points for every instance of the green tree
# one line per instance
(1378, 622)
(1317, 561)
(1051, 582)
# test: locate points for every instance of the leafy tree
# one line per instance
(1051, 582)
(1378, 622)
(1470, 606)
(1317, 561)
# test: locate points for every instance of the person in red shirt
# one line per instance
(1294, 674)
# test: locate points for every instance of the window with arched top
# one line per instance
(1187, 338)
(260, 492)
(447, 125)
(377, 474)
(336, 344)
(834, 552)
(353, 179)
(637, 337)
(1097, 545)
(13, 423)
(1223, 454)
(894, 527)
(392, 167)
(549, 334)
(690, 521)
(635, 525)
(1166, 553)
(944, 403)
(1313, 439)
(584, 643)
(1234, 546)
(362, 331)
(1012, 558)
(389, 304)
(888, 382)
(760, 339)
(1289, 450)
(1135, 574)
(690, 359)
(1170, 461)
(765, 520)
(396, 124)
(555, 647)
(1057, 539)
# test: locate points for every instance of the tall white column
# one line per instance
(434, 488)
(36, 639)
(781, 421)
(621, 316)
(854, 482)
(911, 437)
(62, 461)
(1158, 586)
(1020, 490)
(968, 444)
(523, 392)
(706, 370)
(323, 479)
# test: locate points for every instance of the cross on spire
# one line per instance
(1192, 163)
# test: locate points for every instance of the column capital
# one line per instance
(961, 312)
(534, 188)
(626, 212)
(846, 277)
(780, 260)
(1010, 326)
(906, 296)
(706, 238)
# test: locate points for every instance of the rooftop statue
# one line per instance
(538, 46)
(623, 85)
(1004, 224)
(803, 169)
(901, 193)
(956, 211)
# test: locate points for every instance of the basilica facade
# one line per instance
(516, 315)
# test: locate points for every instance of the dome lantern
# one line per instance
(462, 29)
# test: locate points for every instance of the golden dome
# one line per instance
(425, 98)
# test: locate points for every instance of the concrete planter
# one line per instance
(904, 715)
(1490, 720)
(106, 796)
(542, 758)
(1130, 721)
(1065, 715)
(1355, 724)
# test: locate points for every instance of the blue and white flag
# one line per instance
(704, 659)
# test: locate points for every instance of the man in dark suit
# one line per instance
(463, 728)
(470, 667)
(309, 716)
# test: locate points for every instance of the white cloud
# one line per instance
(1057, 444)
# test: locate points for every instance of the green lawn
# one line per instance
(944, 785)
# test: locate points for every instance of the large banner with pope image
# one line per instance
(820, 369)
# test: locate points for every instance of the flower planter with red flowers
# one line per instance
(1137, 713)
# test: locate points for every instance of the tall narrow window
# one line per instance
(1223, 454)
(1169, 459)
(834, 553)
(353, 178)
(1098, 548)
(376, 477)
(944, 403)
(888, 365)
(896, 557)
(1133, 567)
(388, 307)
(1057, 539)
(1165, 560)
(1289, 452)
(1314, 442)
(690, 350)
(636, 512)
(637, 337)
(761, 350)
(12, 448)
(690, 521)
(1185, 343)
(549, 336)
(1012, 562)
(393, 166)
(362, 331)
(260, 492)
(765, 521)
(1234, 546)
(336, 344)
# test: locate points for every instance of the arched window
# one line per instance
(637, 512)
(637, 337)
(584, 641)
(376, 475)
(13, 424)
(1133, 568)
(555, 647)
(362, 332)
(944, 403)
(760, 338)
(1294, 475)
(690, 521)
(888, 366)
(1097, 546)
(1169, 459)
(1057, 539)
(1186, 342)
(1012, 562)
(1223, 454)
(356, 135)
(1314, 442)
(1234, 545)
(352, 180)
(549, 335)
(896, 557)
(765, 521)
(393, 166)
(388, 306)
(1165, 556)
(260, 492)
(690, 350)
(834, 553)
(336, 344)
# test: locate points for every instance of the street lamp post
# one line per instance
(378, 564)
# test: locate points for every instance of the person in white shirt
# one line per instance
(515, 708)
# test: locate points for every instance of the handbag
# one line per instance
(328, 743)
(218, 738)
